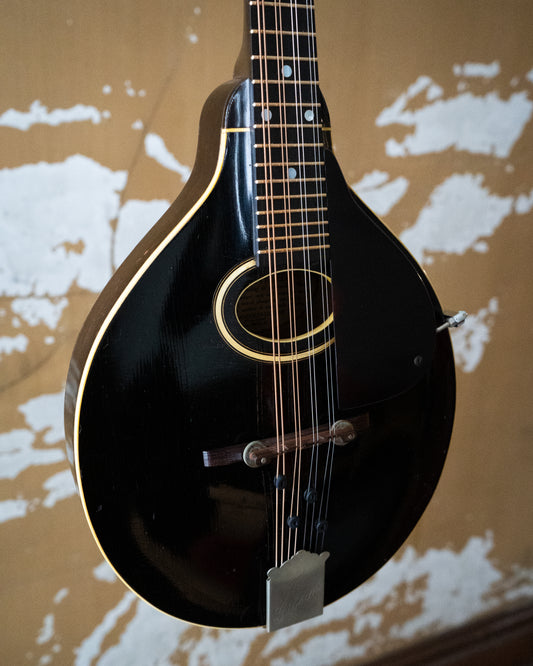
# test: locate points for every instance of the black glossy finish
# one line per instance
(163, 386)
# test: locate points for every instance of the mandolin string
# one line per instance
(274, 254)
(313, 393)
(309, 311)
(267, 170)
(297, 89)
(296, 489)
(286, 202)
(274, 274)
(317, 183)
(329, 363)
(324, 264)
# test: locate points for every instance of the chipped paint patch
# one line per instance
(12, 509)
(60, 486)
(18, 454)
(35, 311)
(135, 219)
(17, 343)
(104, 572)
(470, 340)
(379, 193)
(460, 215)
(47, 630)
(156, 149)
(47, 209)
(92, 645)
(61, 595)
(486, 124)
(38, 114)
(436, 590)
(524, 203)
(478, 69)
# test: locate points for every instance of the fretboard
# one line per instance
(288, 141)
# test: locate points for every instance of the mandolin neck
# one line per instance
(283, 31)
(288, 133)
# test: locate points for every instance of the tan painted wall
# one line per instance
(446, 161)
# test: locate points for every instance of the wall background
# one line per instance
(431, 106)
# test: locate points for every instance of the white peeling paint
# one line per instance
(39, 114)
(149, 638)
(47, 630)
(131, 92)
(35, 311)
(484, 124)
(107, 89)
(17, 453)
(137, 124)
(434, 91)
(105, 573)
(60, 486)
(436, 590)
(529, 75)
(45, 413)
(378, 194)
(8, 345)
(478, 69)
(55, 226)
(61, 595)
(156, 149)
(91, 646)
(456, 586)
(459, 214)
(135, 219)
(12, 509)
(524, 203)
(371, 180)
(470, 340)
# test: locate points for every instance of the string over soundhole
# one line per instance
(285, 315)
(283, 306)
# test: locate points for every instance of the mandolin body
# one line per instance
(155, 382)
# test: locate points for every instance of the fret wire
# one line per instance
(288, 145)
(304, 104)
(292, 237)
(280, 125)
(293, 210)
(293, 249)
(267, 164)
(290, 6)
(282, 32)
(302, 223)
(287, 57)
(291, 82)
(288, 180)
(291, 196)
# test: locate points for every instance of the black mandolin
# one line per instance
(259, 405)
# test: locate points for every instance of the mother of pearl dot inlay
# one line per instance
(287, 71)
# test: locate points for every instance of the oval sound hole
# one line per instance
(299, 297)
